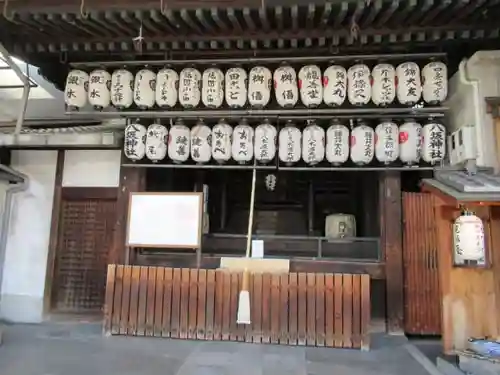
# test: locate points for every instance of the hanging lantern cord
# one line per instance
(163, 7)
(8, 15)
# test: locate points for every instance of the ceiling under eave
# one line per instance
(109, 26)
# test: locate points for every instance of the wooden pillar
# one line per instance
(131, 180)
(392, 247)
(54, 232)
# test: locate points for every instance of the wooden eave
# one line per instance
(91, 27)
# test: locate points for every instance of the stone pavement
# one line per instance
(80, 349)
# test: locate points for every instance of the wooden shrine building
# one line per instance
(383, 268)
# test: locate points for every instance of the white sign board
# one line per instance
(165, 220)
(257, 249)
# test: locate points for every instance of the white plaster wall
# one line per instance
(483, 66)
(25, 264)
(91, 168)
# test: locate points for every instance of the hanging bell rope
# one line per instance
(83, 10)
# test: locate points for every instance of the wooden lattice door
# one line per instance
(85, 234)
(420, 259)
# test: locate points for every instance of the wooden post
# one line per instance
(392, 248)
(131, 180)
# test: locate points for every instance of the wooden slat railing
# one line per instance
(310, 309)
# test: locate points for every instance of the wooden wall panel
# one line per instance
(420, 259)
(290, 309)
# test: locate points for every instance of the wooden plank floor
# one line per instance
(309, 309)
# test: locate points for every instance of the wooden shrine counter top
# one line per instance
(314, 309)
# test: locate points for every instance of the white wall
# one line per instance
(25, 264)
(91, 168)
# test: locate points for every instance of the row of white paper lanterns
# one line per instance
(166, 88)
(409, 143)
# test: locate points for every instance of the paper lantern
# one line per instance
(290, 144)
(99, 89)
(134, 142)
(384, 84)
(435, 82)
(340, 226)
(337, 144)
(410, 142)
(156, 142)
(334, 85)
(222, 134)
(265, 142)
(259, 86)
(242, 147)
(144, 89)
(122, 89)
(201, 143)
(236, 87)
(189, 88)
(179, 141)
(310, 86)
(167, 88)
(285, 86)
(359, 89)
(75, 92)
(387, 142)
(212, 93)
(468, 239)
(409, 85)
(433, 143)
(313, 144)
(362, 145)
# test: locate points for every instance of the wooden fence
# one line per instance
(420, 259)
(330, 310)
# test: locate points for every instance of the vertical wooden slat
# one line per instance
(320, 309)
(160, 274)
(202, 305)
(257, 308)
(210, 312)
(356, 311)
(117, 302)
(134, 300)
(127, 280)
(193, 304)
(302, 309)
(226, 306)
(249, 327)
(283, 300)
(266, 308)
(233, 310)
(151, 296)
(347, 305)
(293, 313)
(275, 309)
(168, 306)
(311, 309)
(176, 304)
(219, 304)
(143, 294)
(109, 299)
(338, 296)
(365, 312)
(329, 311)
(241, 328)
(184, 304)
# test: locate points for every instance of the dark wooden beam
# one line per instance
(392, 246)
(131, 180)
(81, 193)
(54, 232)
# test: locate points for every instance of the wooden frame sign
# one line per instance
(171, 220)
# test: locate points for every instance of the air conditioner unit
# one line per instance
(462, 145)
